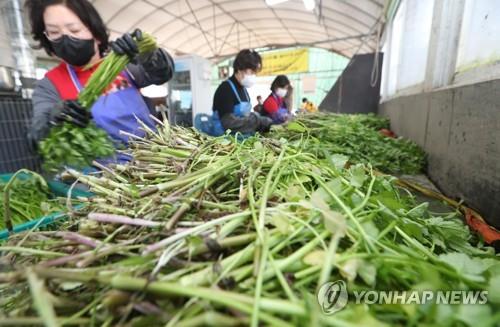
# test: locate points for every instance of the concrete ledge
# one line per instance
(459, 128)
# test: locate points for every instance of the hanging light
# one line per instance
(274, 2)
(310, 4)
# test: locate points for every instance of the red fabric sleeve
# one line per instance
(270, 105)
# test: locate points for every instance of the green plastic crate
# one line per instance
(57, 189)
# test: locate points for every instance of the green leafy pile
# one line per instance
(357, 137)
(25, 199)
(367, 120)
(73, 146)
(200, 231)
(68, 144)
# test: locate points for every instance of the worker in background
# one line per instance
(231, 106)
(274, 106)
(73, 31)
(308, 106)
(258, 107)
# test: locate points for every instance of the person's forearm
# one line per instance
(244, 125)
(40, 126)
(153, 68)
(45, 102)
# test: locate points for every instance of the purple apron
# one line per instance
(119, 110)
(280, 116)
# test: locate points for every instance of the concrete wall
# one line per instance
(459, 128)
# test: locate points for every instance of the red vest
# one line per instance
(272, 104)
(61, 78)
(66, 87)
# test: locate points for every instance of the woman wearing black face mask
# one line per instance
(73, 31)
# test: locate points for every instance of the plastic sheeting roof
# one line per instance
(217, 28)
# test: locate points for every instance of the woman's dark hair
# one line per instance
(280, 81)
(304, 99)
(82, 8)
(247, 59)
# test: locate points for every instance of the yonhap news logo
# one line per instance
(333, 297)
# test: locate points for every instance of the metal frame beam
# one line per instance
(176, 17)
(232, 16)
(339, 33)
(263, 38)
(309, 44)
(336, 31)
(200, 27)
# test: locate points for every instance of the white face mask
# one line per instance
(281, 92)
(249, 80)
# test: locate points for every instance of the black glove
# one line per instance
(158, 66)
(126, 45)
(264, 124)
(496, 246)
(71, 111)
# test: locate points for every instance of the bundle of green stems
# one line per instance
(25, 196)
(200, 231)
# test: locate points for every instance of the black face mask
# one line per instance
(76, 52)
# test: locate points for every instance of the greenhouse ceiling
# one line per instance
(219, 28)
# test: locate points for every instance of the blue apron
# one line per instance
(243, 108)
(119, 110)
(213, 125)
